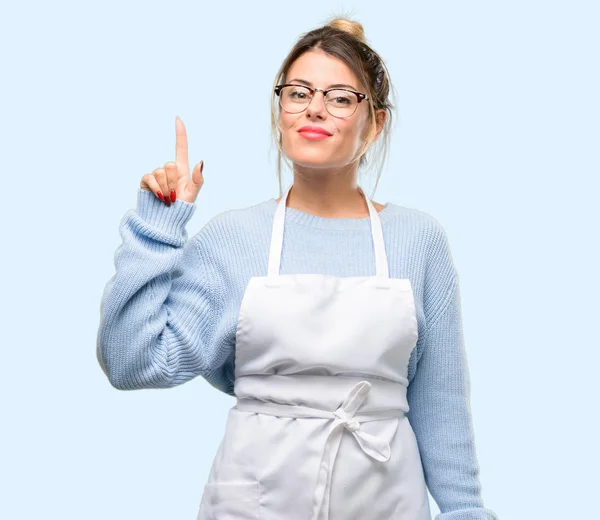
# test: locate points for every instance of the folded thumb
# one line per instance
(197, 173)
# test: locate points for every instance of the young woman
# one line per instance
(334, 320)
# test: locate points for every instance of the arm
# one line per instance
(439, 400)
(159, 311)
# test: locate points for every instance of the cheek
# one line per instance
(349, 133)
(287, 121)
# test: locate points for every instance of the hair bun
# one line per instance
(354, 28)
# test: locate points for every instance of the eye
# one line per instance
(297, 94)
(342, 100)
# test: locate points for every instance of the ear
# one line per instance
(381, 114)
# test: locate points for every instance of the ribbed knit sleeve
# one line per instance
(439, 396)
(159, 310)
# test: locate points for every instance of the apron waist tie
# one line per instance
(345, 417)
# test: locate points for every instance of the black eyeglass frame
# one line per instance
(359, 95)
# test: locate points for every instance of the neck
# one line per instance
(329, 197)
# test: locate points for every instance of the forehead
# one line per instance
(322, 70)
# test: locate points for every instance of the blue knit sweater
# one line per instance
(169, 313)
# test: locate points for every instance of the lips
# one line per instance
(314, 130)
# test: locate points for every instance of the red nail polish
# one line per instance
(160, 195)
(173, 196)
(168, 201)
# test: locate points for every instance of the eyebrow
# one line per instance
(335, 85)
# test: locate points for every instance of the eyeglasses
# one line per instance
(338, 102)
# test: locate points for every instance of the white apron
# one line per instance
(319, 430)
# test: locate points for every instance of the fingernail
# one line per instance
(202, 166)
(173, 196)
(160, 195)
(167, 201)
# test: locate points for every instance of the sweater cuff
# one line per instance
(472, 513)
(171, 220)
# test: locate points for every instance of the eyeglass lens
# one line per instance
(339, 103)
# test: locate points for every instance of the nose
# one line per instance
(317, 107)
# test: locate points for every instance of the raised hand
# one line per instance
(173, 180)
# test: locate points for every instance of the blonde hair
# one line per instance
(345, 39)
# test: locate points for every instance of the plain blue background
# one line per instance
(497, 136)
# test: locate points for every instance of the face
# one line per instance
(348, 134)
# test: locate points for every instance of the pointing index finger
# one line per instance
(181, 147)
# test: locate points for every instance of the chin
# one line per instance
(307, 156)
(310, 162)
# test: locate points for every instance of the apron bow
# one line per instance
(376, 448)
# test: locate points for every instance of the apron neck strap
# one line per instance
(381, 264)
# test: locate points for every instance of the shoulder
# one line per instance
(426, 237)
(234, 227)
(243, 220)
(423, 225)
